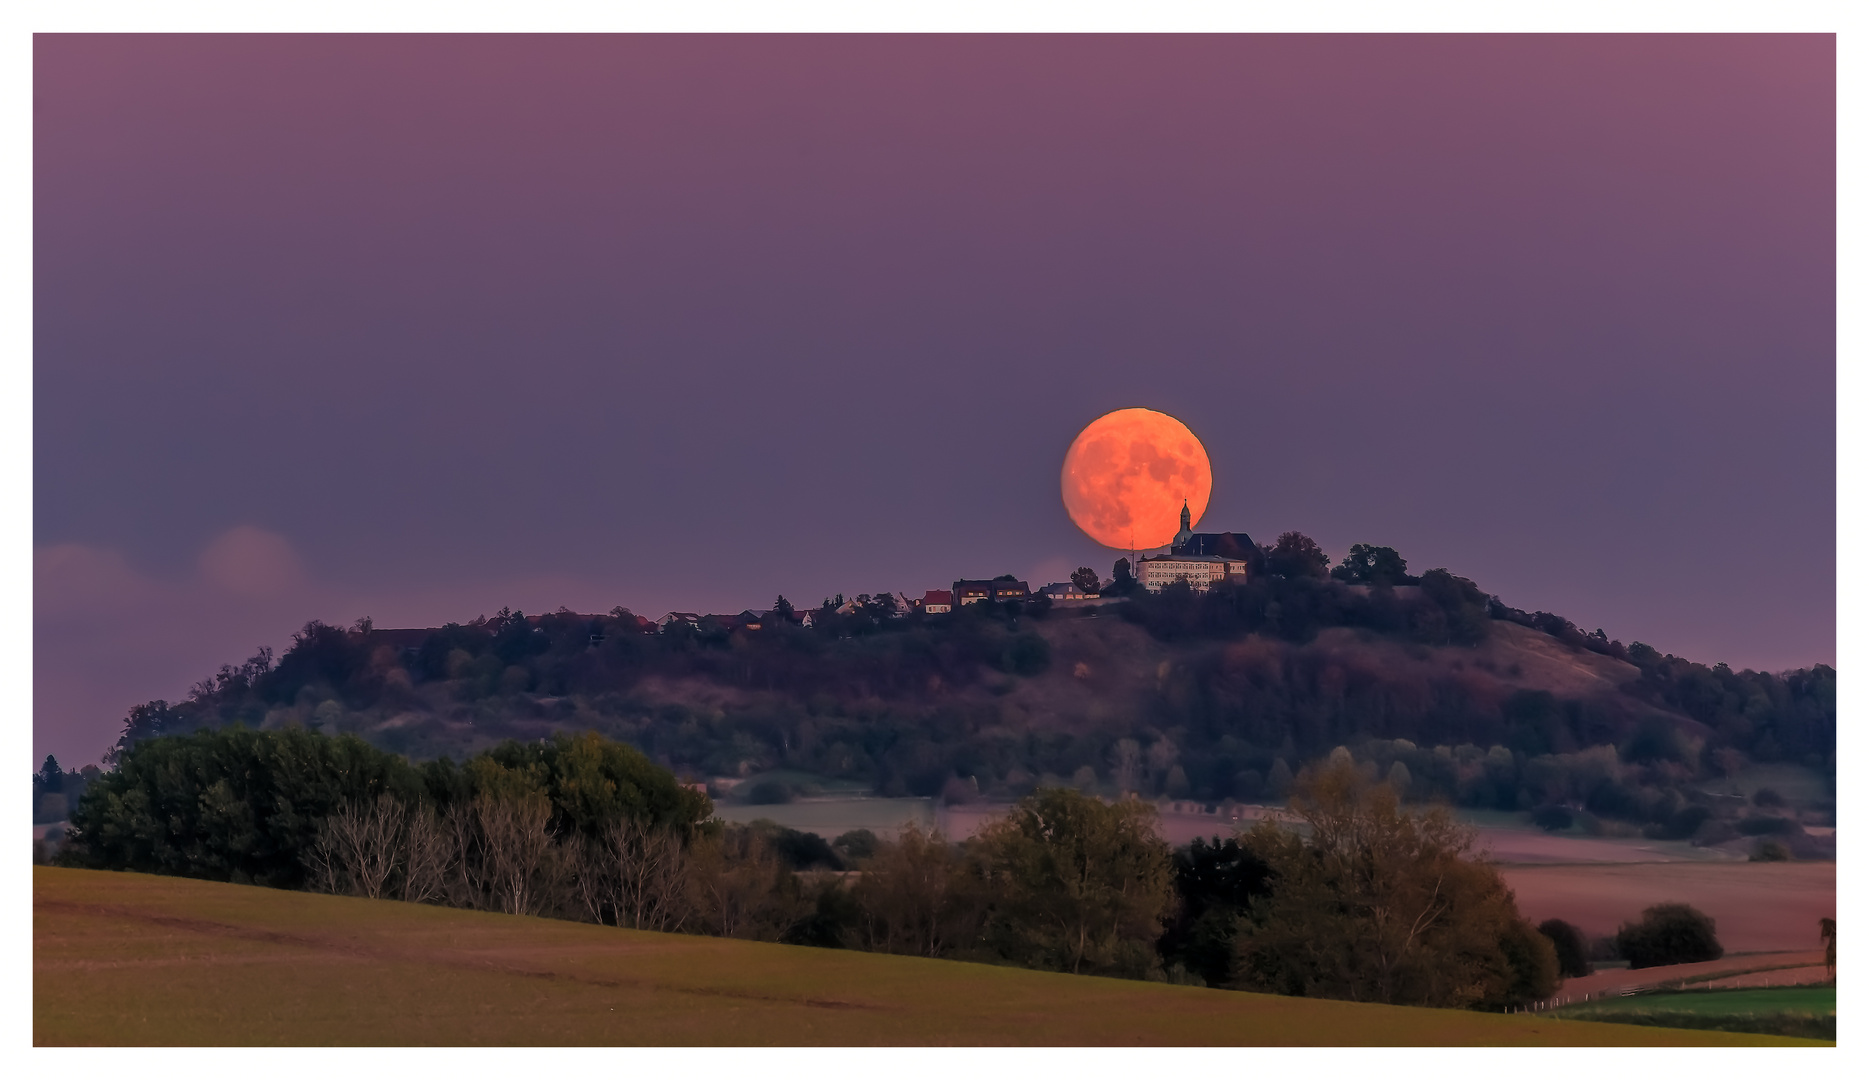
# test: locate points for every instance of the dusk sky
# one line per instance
(417, 328)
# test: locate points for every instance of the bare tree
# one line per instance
(428, 856)
(652, 877)
(636, 874)
(517, 850)
(358, 848)
(467, 886)
(324, 870)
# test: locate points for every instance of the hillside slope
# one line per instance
(128, 959)
(1204, 697)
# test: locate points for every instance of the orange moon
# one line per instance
(1126, 474)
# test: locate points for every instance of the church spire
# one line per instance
(1187, 531)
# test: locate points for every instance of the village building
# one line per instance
(937, 601)
(1065, 590)
(1229, 545)
(1200, 571)
(999, 590)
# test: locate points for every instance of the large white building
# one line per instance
(1199, 571)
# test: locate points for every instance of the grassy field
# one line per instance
(134, 959)
(1808, 1011)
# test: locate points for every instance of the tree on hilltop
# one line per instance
(1368, 564)
(1296, 555)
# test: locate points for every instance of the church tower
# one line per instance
(1186, 533)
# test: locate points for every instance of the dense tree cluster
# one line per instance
(584, 828)
(1376, 904)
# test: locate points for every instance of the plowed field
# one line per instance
(139, 960)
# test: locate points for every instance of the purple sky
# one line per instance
(421, 327)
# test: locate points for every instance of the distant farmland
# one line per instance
(139, 960)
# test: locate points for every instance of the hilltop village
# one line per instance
(1199, 559)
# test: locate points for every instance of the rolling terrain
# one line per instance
(129, 959)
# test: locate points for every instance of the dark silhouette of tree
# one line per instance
(1086, 579)
(1668, 934)
(1367, 564)
(1215, 884)
(1573, 952)
(1296, 555)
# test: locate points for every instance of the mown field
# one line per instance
(140, 960)
(1809, 1011)
(1757, 907)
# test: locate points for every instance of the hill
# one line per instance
(141, 960)
(1207, 697)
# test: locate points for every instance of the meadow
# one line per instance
(131, 959)
(1807, 1011)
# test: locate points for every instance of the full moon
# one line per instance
(1127, 473)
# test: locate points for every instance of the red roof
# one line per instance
(938, 596)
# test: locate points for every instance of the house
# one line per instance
(1000, 589)
(1065, 590)
(1009, 588)
(662, 624)
(937, 601)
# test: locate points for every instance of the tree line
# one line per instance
(1365, 901)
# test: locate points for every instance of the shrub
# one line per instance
(855, 844)
(1770, 851)
(769, 793)
(1552, 818)
(1573, 952)
(1668, 934)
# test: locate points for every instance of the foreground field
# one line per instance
(134, 959)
